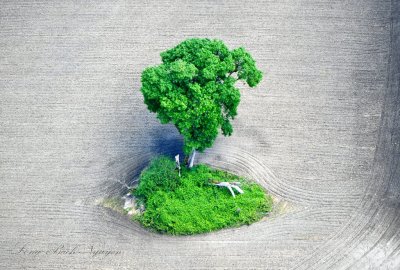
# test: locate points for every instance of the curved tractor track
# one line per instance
(321, 132)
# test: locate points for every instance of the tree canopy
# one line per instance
(194, 88)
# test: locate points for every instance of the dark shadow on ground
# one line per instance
(166, 140)
(125, 172)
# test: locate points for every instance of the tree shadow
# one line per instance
(125, 171)
(166, 140)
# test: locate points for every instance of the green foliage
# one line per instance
(196, 206)
(159, 175)
(194, 88)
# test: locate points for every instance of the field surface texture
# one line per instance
(320, 132)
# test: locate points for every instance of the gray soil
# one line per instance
(321, 132)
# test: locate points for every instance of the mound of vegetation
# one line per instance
(191, 203)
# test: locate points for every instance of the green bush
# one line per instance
(159, 175)
(191, 204)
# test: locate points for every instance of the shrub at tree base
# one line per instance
(191, 204)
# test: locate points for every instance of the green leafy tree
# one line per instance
(194, 88)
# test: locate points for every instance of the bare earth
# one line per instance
(321, 132)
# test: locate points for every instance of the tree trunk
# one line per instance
(191, 159)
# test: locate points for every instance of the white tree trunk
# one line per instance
(178, 164)
(191, 160)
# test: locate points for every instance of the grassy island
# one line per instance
(192, 203)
